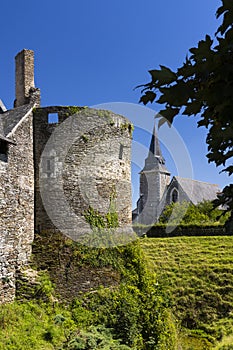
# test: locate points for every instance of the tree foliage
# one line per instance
(202, 213)
(203, 86)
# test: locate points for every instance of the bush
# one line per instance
(94, 338)
(140, 317)
(187, 213)
(135, 313)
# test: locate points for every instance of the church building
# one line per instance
(158, 189)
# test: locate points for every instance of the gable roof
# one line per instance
(197, 191)
(2, 107)
(2, 134)
(3, 138)
(11, 118)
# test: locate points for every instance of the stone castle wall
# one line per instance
(86, 163)
(64, 161)
(16, 207)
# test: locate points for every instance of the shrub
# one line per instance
(94, 338)
(187, 213)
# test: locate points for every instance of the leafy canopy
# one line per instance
(203, 86)
(202, 213)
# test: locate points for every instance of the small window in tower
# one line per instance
(48, 165)
(121, 151)
(53, 118)
(175, 195)
(3, 151)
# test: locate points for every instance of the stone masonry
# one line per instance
(16, 206)
(87, 159)
(84, 152)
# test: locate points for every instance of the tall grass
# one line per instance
(197, 273)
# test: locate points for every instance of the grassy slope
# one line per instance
(198, 271)
(41, 319)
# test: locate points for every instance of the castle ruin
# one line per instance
(94, 170)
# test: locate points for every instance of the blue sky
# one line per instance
(90, 52)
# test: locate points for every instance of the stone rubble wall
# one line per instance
(16, 208)
(94, 168)
(24, 76)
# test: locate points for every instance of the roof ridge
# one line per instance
(204, 182)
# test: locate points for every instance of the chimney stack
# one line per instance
(24, 77)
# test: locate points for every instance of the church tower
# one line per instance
(154, 179)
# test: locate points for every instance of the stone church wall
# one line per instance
(181, 195)
(16, 207)
(153, 184)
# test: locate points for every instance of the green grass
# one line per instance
(132, 314)
(197, 273)
(27, 326)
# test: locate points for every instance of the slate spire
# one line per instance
(155, 158)
(154, 149)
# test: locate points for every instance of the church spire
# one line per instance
(155, 158)
(154, 179)
(154, 149)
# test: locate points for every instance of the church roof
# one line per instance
(197, 191)
(154, 145)
(155, 159)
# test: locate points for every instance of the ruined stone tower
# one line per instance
(154, 179)
(90, 160)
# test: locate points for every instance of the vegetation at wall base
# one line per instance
(188, 304)
(133, 314)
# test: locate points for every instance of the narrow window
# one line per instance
(121, 151)
(174, 195)
(3, 151)
(48, 165)
(53, 118)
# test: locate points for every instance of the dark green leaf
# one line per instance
(220, 11)
(203, 50)
(192, 108)
(176, 95)
(169, 114)
(229, 170)
(163, 76)
(148, 97)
